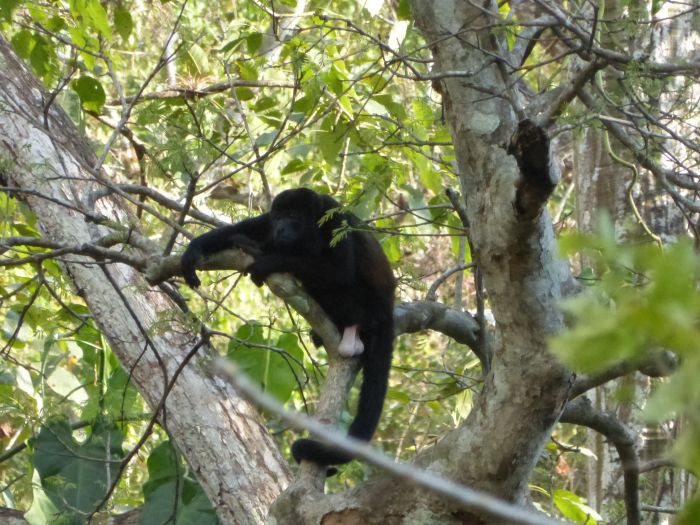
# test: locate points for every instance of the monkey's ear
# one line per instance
(327, 203)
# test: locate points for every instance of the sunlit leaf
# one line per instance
(66, 385)
(275, 367)
(573, 507)
(123, 22)
(91, 93)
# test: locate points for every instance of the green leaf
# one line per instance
(23, 42)
(330, 141)
(24, 381)
(275, 369)
(75, 476)
(305, 104)
(198, 60)
(120, 398)
(123, 22)
(169, 496)
(253, 42)
(265, 139)
(263, 104)
(404, 10)
(56, 24)
(65, 384)
(6, 9)
(91, 93)
(98, 18)
(232, 45)
(293, 166)
(572, 507)
(246, 71)
(43, 511)
(334, 79)
(41, 55)
(244, 94)
(396, 109)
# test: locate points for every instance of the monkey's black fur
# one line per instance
(351, 280)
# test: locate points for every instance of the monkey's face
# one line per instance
(294, 215)
(288, 227)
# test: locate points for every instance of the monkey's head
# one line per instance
(295, 215)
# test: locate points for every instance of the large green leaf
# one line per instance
(91, 93)
(74, 476)
(123, 22)
(169, 496)
(573, 507)
(275, 367)
(6, 9)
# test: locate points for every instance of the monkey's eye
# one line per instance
(287, 215)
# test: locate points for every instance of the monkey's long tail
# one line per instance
(376, 363)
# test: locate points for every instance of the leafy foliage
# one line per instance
(641, 299)
(187, 100)
(276, 369)
(171, 496)
(74, 476)
(329, 113)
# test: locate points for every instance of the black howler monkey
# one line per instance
(351, 280)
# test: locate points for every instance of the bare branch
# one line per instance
(585, 48)
(464, 497)
(658, 364)
(640, 155)
(194, 93)
(95, 250)
(581, 412)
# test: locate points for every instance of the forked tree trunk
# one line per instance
(497, 446)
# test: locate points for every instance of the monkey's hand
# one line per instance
(187, 266)
(259, 270)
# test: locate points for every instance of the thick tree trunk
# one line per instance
(496, 447)
(221, 435)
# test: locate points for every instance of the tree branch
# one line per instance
(581, 412)
(658, 364)
(464, 497)
(193, 93)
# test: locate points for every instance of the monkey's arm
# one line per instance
(332, 268)
(249, 234)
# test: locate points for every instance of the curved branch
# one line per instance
(658, 364)
(581, 412)
(464, 497)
